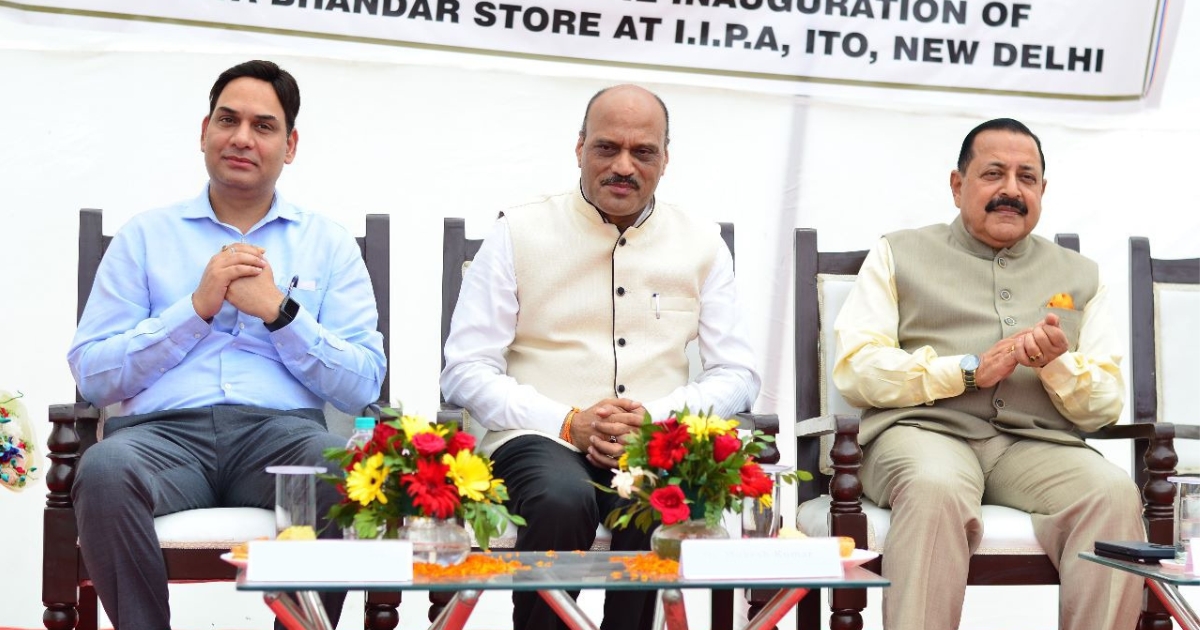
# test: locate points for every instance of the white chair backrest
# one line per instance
(832, 291)
(1176, 342)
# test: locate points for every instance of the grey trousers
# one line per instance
(165, 462)
(935, 483)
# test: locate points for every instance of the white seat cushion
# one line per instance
(213, 528)
(1005, 530)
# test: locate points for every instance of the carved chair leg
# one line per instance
(59, 616)
(381, 610)
(438, 602)
(722, 609)
(89, 608)
(808, 611)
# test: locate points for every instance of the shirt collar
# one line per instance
(201, 208)
(645, 214)
(981, 249)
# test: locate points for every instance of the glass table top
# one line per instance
(570, 571)
(1152, 571)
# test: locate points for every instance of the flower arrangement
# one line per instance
(20, 460)
(412, 467)
(690, 467)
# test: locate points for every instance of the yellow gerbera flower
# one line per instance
(470, 474)
(765, 500)
(706, 427)
(365, 481)
(415, 425)
(623, 461)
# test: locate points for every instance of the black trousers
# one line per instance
(548, 485)
(164, 462)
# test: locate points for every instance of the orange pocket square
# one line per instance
(1061, 300)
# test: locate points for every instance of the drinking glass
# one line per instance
(759, 521)
(295, 501)
(1187, 516)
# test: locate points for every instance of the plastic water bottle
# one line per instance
(364, 429)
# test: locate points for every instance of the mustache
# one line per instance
(1010, 202)
(621, 179)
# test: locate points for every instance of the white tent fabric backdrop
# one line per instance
(107, 115)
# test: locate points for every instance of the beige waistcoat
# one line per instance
(959, 297)
(589, 325)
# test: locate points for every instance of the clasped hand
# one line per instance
(1034, 347)
(600, 431)
(238, 274)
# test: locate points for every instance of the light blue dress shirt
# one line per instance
(141, 344)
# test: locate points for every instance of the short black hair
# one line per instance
(666, 116)
(967, 152)
(284, 83)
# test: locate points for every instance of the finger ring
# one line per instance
(612, 439)
(1012, 349)
(612, 456)
(1036, 358)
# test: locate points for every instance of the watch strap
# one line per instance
(288, 309)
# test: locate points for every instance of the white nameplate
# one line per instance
(357, 561)
(760, 558)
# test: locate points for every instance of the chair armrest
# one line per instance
(452, 414)
(1159, 458)
(768, 423)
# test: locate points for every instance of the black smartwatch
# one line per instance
(968, 365)
(288, 309)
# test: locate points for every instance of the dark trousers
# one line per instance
(165, 462)
(548, 485)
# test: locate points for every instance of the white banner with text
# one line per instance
(1093, 50)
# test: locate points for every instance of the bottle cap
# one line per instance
(364, 423)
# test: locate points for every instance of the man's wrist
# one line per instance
(564, 433)
(288, 310)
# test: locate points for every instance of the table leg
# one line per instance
(314, 609)
(567, 609)
(456, 613)
(1169, 595)
(673, 610)
(776, 608)
(289, 614)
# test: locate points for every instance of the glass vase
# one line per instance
(440, 541)
(666, 540)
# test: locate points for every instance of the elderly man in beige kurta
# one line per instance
(980, 352)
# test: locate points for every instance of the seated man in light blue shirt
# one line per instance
(219, 327)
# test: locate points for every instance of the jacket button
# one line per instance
(1002, 262)
(1010, 321)
(999, 403)
(620, 389)
(1005, 295)
(620, 290)
(621, 342)
(621, 241)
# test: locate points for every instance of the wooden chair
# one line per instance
(457, 252)
(192, 541)
(1164, 321)
(833, 503)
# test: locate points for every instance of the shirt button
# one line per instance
(227, 387)
(242, 325)
(1002, 262)
(621, 342)
(1010, 321)
(999, 403)
(162, 370)
(1005, 295)
(620, 389)
(620, 290)
(195, 335)
(621, 241)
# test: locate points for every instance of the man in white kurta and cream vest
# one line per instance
(571, 326)
(981, 352)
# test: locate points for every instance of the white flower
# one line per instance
(623, 481)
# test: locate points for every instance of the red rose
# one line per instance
(428, 444)
(462, 441)
(755, 482)
(430, 491)
(667, 447)
(724, 446)
(670, 504)
(382, 436)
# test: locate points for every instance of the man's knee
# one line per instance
(107, 466)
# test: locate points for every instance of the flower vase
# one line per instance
(440, 541)
(665, 542)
